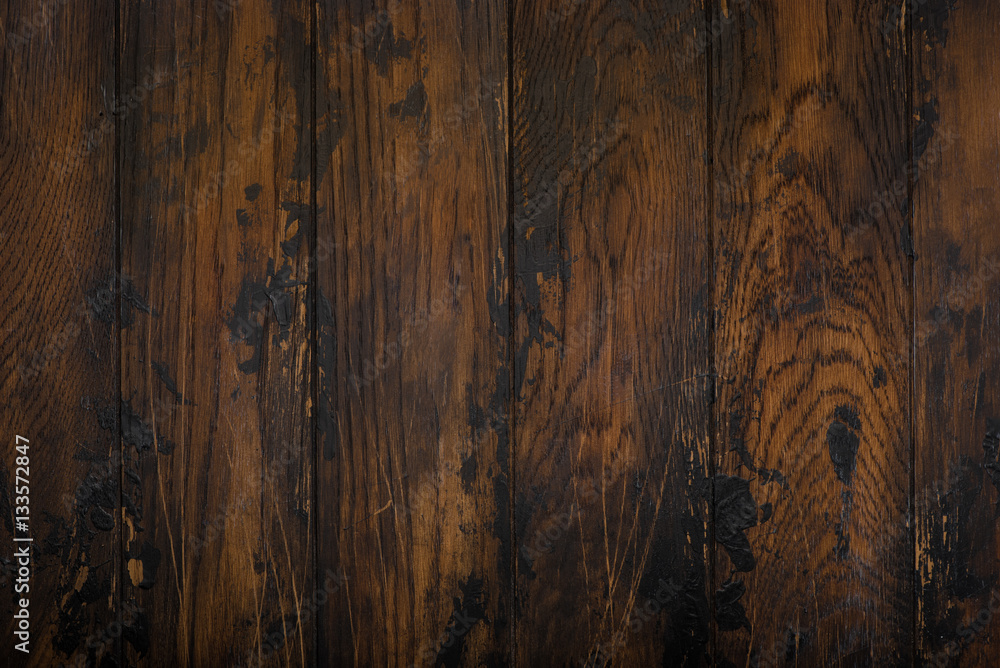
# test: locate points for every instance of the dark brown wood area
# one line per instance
(589, 333)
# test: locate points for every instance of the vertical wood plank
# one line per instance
(216, 167)
(612, 340)
(413, 492)
(59, 349)
(812, 336)
(956, 328)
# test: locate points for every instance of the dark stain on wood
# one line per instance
(462, 333)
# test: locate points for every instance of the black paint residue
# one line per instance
(413, 105)
(149, 556)
(843, 546)
(735, 512)
(813, 305)
(469, 610)
(163, 371)
(523, 510)
(252, 191)
(468, 472)
(326, 351)
(991, 451)
(384, 46)
(301, 214)
(277, 633)
(788, 166)
(102, 298)
(738, 445)
(930, 17)
(843, 442)
(135, 630)
(729, 612)
(243, 218)
(134, 430)
(923, 131)
(74, 621)
(292, 36)
(906, 242)
(254, 302)
(6, 516)
(880, 378)
(953, 548)
(773, 475)
(685, 640)
(102, 519)
(330, 125)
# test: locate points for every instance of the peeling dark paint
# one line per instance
(150, 559)
(735, 511)
(729, 612)
(243, 218)
(991, 451)
(950, 534)
(326, 352)
(843, 442)
(163, 371)
(257, 299)
(926, 119)
(469, 610)
(788, 166)
(331, 123)
(301, 214)
(843, 546)
(134, 430)
(385, 46)
(413, 105)
(468, 473)
(930, 18)
(252, 192)
(879, 377)
(101, 299)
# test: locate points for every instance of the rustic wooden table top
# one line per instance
(496, 333)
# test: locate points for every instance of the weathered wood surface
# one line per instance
(612, 298)
(217, 437)
(956, 409)
(482, 333)
(413, 465)
(813, 333)
(60, 349)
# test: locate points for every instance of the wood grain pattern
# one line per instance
(502, 332)
(956, 360)
(814, 318)
(413, 488)
(611, 348)
(217, 439)
(59, 348)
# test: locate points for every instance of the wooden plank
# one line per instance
(813, 299)
(413, 495)
(612, 296)
(216, 389)
(59, 350)
(956, 359)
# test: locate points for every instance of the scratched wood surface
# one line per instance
(59, 349)
(813, 334)
(217, 439)
(413, 478)
(488, 333)
(611, 344)
(956, 360)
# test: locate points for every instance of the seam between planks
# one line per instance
(511, 328)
